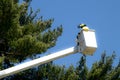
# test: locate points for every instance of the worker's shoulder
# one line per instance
(85, 28)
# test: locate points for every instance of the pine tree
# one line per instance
(22, 35)
(70, 74)
(104, 69)
(82, 69)
(101, 70)
(50, 71)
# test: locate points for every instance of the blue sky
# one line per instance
(101, 15)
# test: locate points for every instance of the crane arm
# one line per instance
(36, 62)
(86, 44)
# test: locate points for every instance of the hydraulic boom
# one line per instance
(86, 44)
(36, 62)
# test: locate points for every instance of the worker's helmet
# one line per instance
(82, 25)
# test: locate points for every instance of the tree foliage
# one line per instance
(22, 35)
(104, 69)
(100, 70)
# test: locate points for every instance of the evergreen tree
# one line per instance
(104, 69)
(22, 35)
(70, 74)
(82, 69)
(101, 70)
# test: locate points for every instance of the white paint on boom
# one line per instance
(36, 62)
(86, 44)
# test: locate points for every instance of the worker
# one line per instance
(84, 27)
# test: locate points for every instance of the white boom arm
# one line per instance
(86, 44)
(36, 62)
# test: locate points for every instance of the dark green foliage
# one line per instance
(70, 74)
(104, 70)
(82, 69)
(48, 71)
(101, 70)
(21, 34)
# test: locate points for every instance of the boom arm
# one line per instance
(86, 44)
(39, 61)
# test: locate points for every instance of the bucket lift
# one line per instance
(86, 40)
(86, 44)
